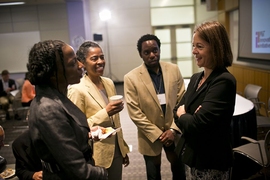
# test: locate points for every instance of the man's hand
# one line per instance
(167, 138)
(8, 90)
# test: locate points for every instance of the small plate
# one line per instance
(110, 132)
(8, 173)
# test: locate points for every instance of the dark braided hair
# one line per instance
(147, 37)
(84, 48)
(42, 61)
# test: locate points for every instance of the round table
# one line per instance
(242, 105)
(244, 121)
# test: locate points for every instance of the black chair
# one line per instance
(263, 122)
(257, 151)
(251, 92)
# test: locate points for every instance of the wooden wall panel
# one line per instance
(269, 83)
(248, 75)
(261, 78)
(231, 4)
(221, 5)
(238, 73)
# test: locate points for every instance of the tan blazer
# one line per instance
(144, 108)
(88, 98)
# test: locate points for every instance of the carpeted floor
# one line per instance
(13, 128)
(136, 169)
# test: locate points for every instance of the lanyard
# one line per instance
(160, 83)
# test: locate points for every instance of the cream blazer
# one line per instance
(144, 108)
(88, 98)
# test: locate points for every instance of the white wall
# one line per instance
(202, 14)
(50, 21)
(130, 20)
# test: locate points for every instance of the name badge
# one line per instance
(161, 98)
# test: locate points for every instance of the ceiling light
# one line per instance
(11, 3)
(105, 15)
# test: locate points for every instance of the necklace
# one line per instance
(200, 83)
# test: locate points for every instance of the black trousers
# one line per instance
(153, 164)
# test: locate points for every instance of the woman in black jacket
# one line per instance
(58, 129)
(205, 112)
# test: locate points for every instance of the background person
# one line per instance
(6, 86)
(58, 129)
(152, 91)
(204, 114)
(28, 165)
(91, 96)
(28, 92)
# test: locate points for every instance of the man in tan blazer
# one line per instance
(151, 91)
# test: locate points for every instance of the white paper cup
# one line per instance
(115, 98)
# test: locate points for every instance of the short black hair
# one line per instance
(147, 37)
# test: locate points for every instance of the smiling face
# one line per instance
(73, 68)
(94, 62)
(201, 51)
(150, 53)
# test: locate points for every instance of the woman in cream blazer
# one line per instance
(91, 96)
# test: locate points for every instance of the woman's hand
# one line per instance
(114, 107)
(95, 132)
(181, 110)
(198, 108)
(37, 175)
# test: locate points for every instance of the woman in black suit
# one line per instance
(204, 114)
(58, 129)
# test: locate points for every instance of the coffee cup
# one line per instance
(115, 98)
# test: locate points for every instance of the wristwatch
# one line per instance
(173, 131)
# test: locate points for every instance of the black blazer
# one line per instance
(27, 161)
(11, 83)
(59, 132)
(207, 132)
